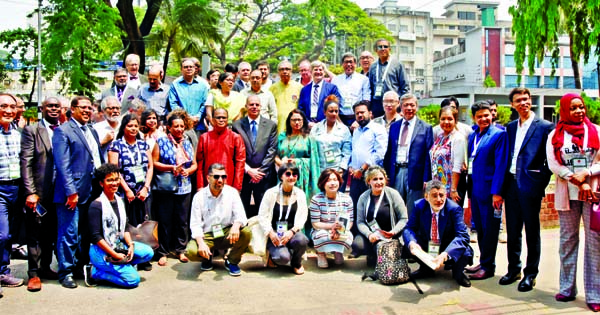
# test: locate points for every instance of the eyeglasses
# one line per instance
(87, 108)
(6, 106)
(285, 69)
(365, 57)
(217, 177)
(113, 108)
(188, 67)
(53, 105)
(290, 174)
(383, 46)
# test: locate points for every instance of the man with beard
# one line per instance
(124, 93)
(370, 143)
(107, 129)
(263, 66)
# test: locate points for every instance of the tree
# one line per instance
(489, 81)
(20, 42)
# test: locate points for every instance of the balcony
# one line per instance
(407, 36)
(445, 32)
(406, 57)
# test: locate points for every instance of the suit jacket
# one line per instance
(74, 162)
(239, 85)
(262, 155)
(419, 164)
(128, 96)
(490, 162)
(532, 169)
(306, 98)
(37, 162)
(454, 238)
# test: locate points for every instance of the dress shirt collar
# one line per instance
(257, 120)
(315, 83)
(527, 123)
(160, 88)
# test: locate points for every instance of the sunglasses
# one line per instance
(383, 46)
(291, 174)
(217, 177)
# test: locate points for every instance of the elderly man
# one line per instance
(243, 81)
(268, 108)
(134, 78)
(313, 95)
(366, 60)
(407, 159)
(223, 146)
(124, 93)
(386, 75)
(154, 94)
(265, 69)
(218, 222)
(190, 93)
(286, 93)
(107, 129)
(10, 180)
(260, 138)
(436, 228)
(391, 101)
(305, 75)
(353, 87)
(37, 171)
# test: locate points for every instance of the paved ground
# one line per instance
(183, 289)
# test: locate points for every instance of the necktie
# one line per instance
(120, 93)
(253, 130)
(434, 229)
(315, 102)
(404, 134)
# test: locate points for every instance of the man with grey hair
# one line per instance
(243, 81)
(154, 93)
(313, 95)
(134, 78)
(268, 108)
(108, 128)
(391, 101)
(305, 75)
(124, 93)
(366, 60)
(407, 158)
(353, 87)
(190, 93)
(437, 236)
(286, 93)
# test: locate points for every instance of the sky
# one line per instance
(14, 12)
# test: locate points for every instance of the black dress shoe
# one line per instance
(69, 283)
(463, 281)
(509, 278)
(422, 273)
(527, 283)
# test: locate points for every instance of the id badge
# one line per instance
(348, 103)
(470, 168)
(138, 174)
(403, 153)
(579, 163)
(343, 219)
(434, 249)
(374, 226)
(329, 156)
(378, 90)
(282, 227)
(14, 171)
(217, 230)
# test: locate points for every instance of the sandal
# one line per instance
(183, 258)
(299, 271)
(322, 260)
(270, 263)
(162, 261)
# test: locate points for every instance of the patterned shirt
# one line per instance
(130, 157)
(323, 209)
(167, 155)
(10, 147)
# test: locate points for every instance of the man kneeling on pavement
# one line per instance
(218, 222)
(437, 236)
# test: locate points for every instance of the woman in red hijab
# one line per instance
(572, 152)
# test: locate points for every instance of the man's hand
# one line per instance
(31, 201)
(234, 233)
(356, 174)
(440, 259)
(130, 252)
(72, 201)
(497, 201)
(354, 126)
(255, 175)
(203, 250)
(108, 138)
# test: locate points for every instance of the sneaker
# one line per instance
(8, 280)
(206, 265)
(502, 237)
(87, 276)
(233, 269)
(338, 258)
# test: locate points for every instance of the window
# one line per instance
(448, 41)
(568, 82)
(532, 81)
(550, 82)
(509, 61)
(511, 81)
(403, 28)
(420, 72)
(567, 63)
(392, 27)
(404, 50)
(419, 29)
(452, 27)
(465, 28)
(466, 15)
(419, 50)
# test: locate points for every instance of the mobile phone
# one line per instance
(40, 210)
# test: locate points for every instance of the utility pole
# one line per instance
(39, 54)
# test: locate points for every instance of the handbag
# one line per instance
(595, 218)
(146, 232)
(164, 182)
(258, 242)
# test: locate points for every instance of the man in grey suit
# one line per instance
(124, 93)
(76, 151)
(37, 172)
(260, 137)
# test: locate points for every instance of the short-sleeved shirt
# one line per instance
(167, 156)
(131, 156)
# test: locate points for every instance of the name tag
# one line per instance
(14, 171)
(217, 231)
(579, 163)
(434, 249)
(282, 227)
(402, 154)
(470, 168)
(329, 156)
(138, 174)
(374, 226)
(348, 103)
(378, 90)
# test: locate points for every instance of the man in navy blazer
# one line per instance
(314, 110)
(452, 236)
(487, 154)
(76, 151)
(408, 164)
(526, 179)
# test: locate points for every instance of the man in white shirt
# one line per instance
(134, 78)
(352, 86)
(218, 221)
(108, 128)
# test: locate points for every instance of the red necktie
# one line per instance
(434, 229)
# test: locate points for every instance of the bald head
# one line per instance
(253, 106)
(155, 76)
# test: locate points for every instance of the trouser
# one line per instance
(72, 247)
(487, 230)
(256, 189)
(124, 275)
(172, 213)
(41, 239)
(137, 210)
(357, 187)
(457, 266)
(8, 205)
(570, 221)
(237, 249)
(291, 253)
(408, 194)
(522, 210)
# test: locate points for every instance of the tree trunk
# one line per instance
(166, 58)
(575, 64)
(35, 71)
(134, 42)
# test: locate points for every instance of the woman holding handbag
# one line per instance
(572, 152)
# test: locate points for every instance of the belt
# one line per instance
(401, 165)
(13, 182)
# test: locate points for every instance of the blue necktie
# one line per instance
(253, 130)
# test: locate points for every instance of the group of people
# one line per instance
(267, 169)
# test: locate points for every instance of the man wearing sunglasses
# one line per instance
(218, 221)
(387, 74)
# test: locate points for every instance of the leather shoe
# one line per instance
(473, 269)
(69, 283)
(34, 284)
(563, 298)
(422, 273)
(527, 283)
(509, 278)
(463, 281)
(481, 275)
(48, 274)
(595, 307)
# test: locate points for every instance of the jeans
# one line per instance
(124, 275)
(8, 201)
(72, 243)
(291, 253)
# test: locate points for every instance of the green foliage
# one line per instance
(503, 114)
(489, 82)
(19, 42)
(430, 114)
(31, 113)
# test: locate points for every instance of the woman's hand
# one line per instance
(274, 238)
(579, 177)
(335, 234)
(143, 193)
(586, 194)
(373, 237)
(129, 195)
(287, 236)
(386, 234)
(454, 195)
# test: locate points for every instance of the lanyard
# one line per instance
(384, 72)
(376, 205)
(476, 144)
(281, 203)
(337, 205)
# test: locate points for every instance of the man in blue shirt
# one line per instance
(189, 93)
(154, 94)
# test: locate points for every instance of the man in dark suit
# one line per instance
(37, 171)
(437, 227)
(313, 95)
(487, 154)
(76, 151)
(120, 89)
(526, 180)
(407, 157)
(260, 137)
